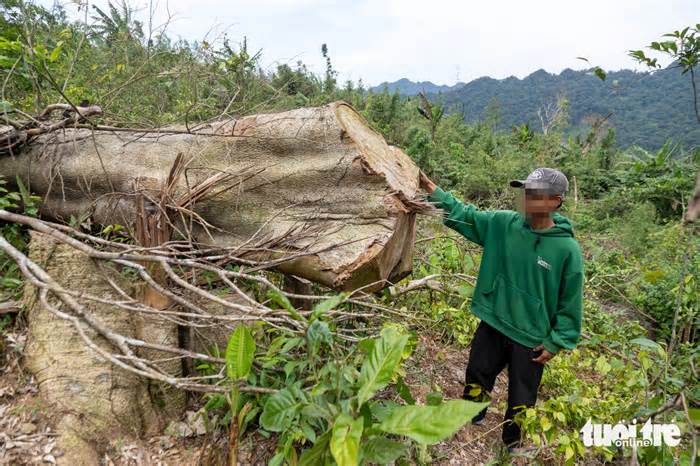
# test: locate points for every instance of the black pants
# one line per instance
(491, 351)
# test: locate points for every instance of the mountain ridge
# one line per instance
(646, 109)
(407, 87)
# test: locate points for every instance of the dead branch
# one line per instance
(430, 282)
(18, 134)
(69, 304)
(10, 307)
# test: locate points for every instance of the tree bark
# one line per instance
(315, 182)
(694, 205)
(94, 402)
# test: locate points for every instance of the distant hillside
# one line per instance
(647, 109)
(408, 87)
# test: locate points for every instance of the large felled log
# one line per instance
(314, 178)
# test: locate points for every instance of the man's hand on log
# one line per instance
(426, 183)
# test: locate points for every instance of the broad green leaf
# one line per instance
(351, 374)
(26, 195)
(56, 51)
(694, 415)
(431, 424)
(240, 353)
(217, 401)
(383, 360)
(290, 344)
(327, 305)
(433, 399)
(366, 345)
(345, 440)
(317, 334)
(278, 411)
(281, 300)
(366, 414)
(314, 411)
(545, 423)
(647, 343)
(277, 460)
(381, 450)
(568, 453)
(308, 432)
(602, 365)
(290, 367)
(381, 410)
(318, 453)
(404, 392)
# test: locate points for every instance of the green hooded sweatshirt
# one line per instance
(530, 285)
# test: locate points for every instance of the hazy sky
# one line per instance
(437, 40)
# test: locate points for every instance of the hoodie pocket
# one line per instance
(517, 308)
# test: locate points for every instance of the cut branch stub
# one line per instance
(314, 185)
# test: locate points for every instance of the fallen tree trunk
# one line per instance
(318, 186)
(313, 192)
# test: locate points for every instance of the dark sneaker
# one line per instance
(479, 418)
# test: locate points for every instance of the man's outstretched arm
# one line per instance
(466, 219)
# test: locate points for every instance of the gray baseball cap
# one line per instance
(549, 179)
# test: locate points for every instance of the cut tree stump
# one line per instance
(94, 402)
(694, 205)
(315, 182)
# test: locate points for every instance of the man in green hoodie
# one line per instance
(529, 292)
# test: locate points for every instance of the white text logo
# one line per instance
(543, 263)
(605, 435)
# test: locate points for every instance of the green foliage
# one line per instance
(378, 370)
(382, 450)
(430, 424)
(282, 301)
(345, 440)
(279, 411)
(327, 406)
(327, 305)
(21, 201)
(683, 48)
(296, 82)
(239, 353)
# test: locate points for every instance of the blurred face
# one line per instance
(537, 201)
